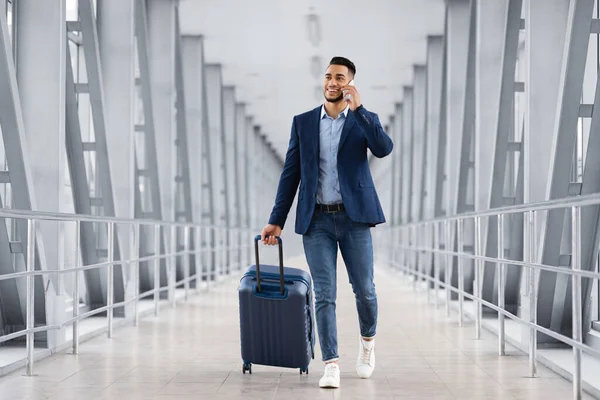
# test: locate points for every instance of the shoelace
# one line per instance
(365, 357)
(330, 372)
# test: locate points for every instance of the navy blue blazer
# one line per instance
(362, 130)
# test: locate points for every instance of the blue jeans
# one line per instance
(325, 232)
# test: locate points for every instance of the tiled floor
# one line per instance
(192, 352)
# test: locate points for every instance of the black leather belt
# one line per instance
(330, 208)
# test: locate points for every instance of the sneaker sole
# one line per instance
(365, 377)
(330, 386)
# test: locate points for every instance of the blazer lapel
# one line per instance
(350, 121)
(316, 139)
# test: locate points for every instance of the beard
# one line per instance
(335, 99)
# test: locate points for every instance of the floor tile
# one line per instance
(193, 351)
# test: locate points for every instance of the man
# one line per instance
(337, 205)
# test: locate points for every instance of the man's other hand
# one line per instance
(271, 231)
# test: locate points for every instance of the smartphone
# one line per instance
(348, 97)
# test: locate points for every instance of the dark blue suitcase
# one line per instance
(276, 315)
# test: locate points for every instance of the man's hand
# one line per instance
(271, 231)
(354, 100)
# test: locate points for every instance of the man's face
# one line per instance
(336, 77)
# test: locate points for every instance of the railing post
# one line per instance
(402, 256)
(478, 275)
(173, 271)
(200, 257)
(395, 244)
(461, 283)
(232, 249)
(242, 247)
(425, 238)
(135, 254)
(436, 263)
(448, 265)
(217, 254)
(501, 270)
(413, 254)
(76, 288)
(211, 251)
(110, 277)
(576, 300)
(156, 267)
(225, 250)
(30, 295)
(532, 293)
(186, 260)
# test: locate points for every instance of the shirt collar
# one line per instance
(344, 111)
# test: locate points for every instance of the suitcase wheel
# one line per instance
(303, 370)
(246, 367)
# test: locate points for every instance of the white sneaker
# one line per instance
(366, 358)
(331, 376)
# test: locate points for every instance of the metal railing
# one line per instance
(230, 246)
(416, 238)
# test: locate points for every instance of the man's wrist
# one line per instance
(360, 107)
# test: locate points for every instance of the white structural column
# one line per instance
(397, 156)
(161, 35)
(458, 46)
(41, 69)
(192, 49)
(491, 27)
(392, 131)
(247, 176)
(407, 153)
(419, 139)
(257, 182)
(214, 91)
(193, 65)
(250, 173)
(554, 293)
(546, 29)
(239, 140)
(229, 128)
(497, 40)
(458, 29)
(116, 39)
(435, 54)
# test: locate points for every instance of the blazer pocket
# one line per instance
(364, 184)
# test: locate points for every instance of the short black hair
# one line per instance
(345, 62)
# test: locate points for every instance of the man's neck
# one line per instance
(334, 109)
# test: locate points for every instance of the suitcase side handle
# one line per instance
(257, 238)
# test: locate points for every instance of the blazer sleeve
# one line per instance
(378, 141)
(288, 182)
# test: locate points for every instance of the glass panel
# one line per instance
(583, 131)
(10, 19)
(595, 42)
(72, 10)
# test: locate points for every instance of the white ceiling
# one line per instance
(266, 50)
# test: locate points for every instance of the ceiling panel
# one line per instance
(275, 54)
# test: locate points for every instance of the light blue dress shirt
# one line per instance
(330, 131)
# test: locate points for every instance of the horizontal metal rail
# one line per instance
(206, 273)
(546, 331)
(411, 239)
(515, 263)
(579, 201)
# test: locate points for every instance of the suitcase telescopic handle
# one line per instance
(281, 283)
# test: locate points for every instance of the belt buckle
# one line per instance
(333, 208)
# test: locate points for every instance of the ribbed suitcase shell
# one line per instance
(276, 329)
